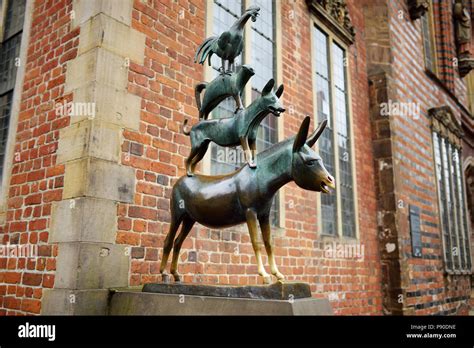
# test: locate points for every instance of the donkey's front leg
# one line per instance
(244, 142)
(268, 241)
(251, 216)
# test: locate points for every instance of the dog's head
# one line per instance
(269, 101)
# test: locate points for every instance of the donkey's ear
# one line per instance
(279, 91)
(317, 133)
(268, 87)
(300, 139)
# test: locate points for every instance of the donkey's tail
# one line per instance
(186, 130)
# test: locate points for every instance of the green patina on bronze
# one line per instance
(246, 195)
(222, 87)
(240, 129)
(229, 44)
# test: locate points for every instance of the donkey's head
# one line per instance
(269, 101)
(307, 168)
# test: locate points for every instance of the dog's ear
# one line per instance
(268, 87)
(279, 91)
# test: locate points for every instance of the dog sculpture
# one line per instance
(245, 196)
(222, 87)
(240, 129)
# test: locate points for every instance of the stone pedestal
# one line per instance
(195, 299)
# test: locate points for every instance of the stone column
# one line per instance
(84, 223)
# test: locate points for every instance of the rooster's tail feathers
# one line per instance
(204, 49)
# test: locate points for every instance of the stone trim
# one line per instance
(84, 223)
(445, 124)
(417, 8)
(334, 14)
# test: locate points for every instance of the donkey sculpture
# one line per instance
(245, 196)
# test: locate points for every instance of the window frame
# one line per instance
(432, 39)
(247, 94)
(333, 38)
(463, 210)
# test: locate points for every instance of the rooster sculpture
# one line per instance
(229, 44)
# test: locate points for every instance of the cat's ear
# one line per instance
(279, 91)
(268, 87)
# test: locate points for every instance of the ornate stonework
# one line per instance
(463, 34)
(417, 8)
(445, 124)
(335, 15)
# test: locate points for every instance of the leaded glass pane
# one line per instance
(428, 43)
(443, 207)
(325, 142)
(457, 204)
(344, 142)
(9, 51)
(14, 18)
(449, 206)
(5, 112)
(463, 227)
(262, 61)
(224, 160)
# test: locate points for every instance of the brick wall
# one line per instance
(36, 180)
(157, 150)
(422, 284)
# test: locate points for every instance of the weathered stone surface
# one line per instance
(89, 138)
(101, 179)
(140, 303)
(85, 9)
(88, 220)
(91, 266)
(112, 105)
(99, 65)
(276, 291)
(74, 302)
(104, 31)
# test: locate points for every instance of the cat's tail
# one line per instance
(197, 93)
(186, 130)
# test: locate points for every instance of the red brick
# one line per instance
(33, 279)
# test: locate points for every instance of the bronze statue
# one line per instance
(240, 129)
(229, 44)
(222, 87)
(245, 196)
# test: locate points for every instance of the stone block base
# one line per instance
(143, 303)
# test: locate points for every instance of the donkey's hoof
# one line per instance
(165, 277)
(267, 279)
(252, 164)
(280, 277)
(190, 174)
(177, 277)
